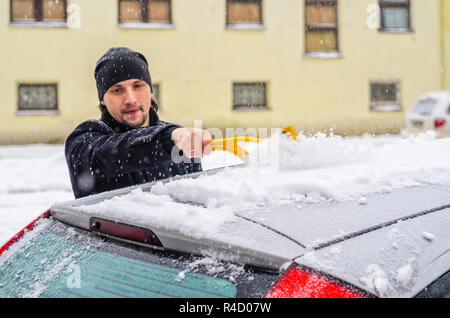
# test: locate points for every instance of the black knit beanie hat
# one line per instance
(120, 64)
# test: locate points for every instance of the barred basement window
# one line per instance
(31, 11)
(145, 11)
(244, 12)
(395, 15)
(38, 97)
(249, 96)
(321, 26)
(385, 96)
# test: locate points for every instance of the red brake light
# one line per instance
(124, 231)
(439, 122)
(298, 282)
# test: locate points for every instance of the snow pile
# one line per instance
(321, 168)
(32, 178)
(214, 267)
(140, 207)
(316, 151)
(387, 284)
(406, 274)
(377, 280)
(428, 236)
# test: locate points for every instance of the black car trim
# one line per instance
(437, 288)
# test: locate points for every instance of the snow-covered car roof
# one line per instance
(435, 95)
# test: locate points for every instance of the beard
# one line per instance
(140, 122)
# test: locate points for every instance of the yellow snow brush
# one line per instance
(291, 132)
(231, 144)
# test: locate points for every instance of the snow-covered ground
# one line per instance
(34, 177)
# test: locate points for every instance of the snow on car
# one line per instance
(352, 217)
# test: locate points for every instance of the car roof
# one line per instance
(435, 95)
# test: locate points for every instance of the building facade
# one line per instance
(445, 44)
(353, 66)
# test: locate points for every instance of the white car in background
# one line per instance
(430, 112)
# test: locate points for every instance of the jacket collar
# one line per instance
(120, 128)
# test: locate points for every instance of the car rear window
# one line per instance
(100, 274)
(424, 107)
(64, 262)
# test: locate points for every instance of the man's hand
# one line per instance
(194, 142)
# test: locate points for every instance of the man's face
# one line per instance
(129, 102)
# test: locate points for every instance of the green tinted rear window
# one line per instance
(54, 266)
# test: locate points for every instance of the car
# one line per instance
(394, 244)
(430, 112)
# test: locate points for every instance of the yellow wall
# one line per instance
(196, 63)
(445, 36)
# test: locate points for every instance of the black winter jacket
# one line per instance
(103, 155)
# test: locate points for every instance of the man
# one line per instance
(129, 145)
